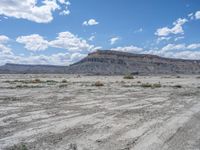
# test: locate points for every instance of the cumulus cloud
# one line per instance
(3, 45)
(4, 39)
(64, 40)
(170, 47)
(29, 9)
(90, 22)
(71, 42)
(131, 49)
(197, 15)
(176, 29)
(193, 46)
(114, 40)
(185, 54)
(65, 11)
(33, 42)
(5, 49)
(54, 59)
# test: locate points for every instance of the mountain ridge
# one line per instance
(109, 62)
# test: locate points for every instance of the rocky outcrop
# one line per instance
(116, 63)
(106, 62)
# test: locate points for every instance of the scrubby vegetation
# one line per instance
(98, 83)
(128, 76)
(148, 85)
(177, 86)
(64, 81)
(63, 85)
(33, 81)
(28, 86)
(19, 147)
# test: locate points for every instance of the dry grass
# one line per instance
(63, 85)
(148, 85)
(19, 147)
(128, 76)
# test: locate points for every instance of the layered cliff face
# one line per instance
(106, 62)
(116, 63)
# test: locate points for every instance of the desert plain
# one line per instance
(76, 112)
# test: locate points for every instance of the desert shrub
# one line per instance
(63, 85)
(73, 147)
(64, 81)
(51, 81)
(178, 76)
(177, 86)
(98, 83)
(128, 76)
(19, 147)
(138, 81)
(198, 77)
(36, 81)
(156, 85)
(28, 86)
(148, 85)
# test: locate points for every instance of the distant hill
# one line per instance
(106, 62)
(32, 69)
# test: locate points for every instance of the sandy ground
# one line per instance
(121, 115)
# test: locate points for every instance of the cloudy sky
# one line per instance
(61, 32)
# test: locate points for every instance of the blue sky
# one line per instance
(64, 31)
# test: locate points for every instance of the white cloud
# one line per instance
(29, 9)
(162, 39)
(90, 22)
(193, 46)
(77, 56)
(4, 39)
(176, 29)
(54, 59)
(179, 38)
(131, 49)
(191, 16)
(65, 12)
(114, 40)
(197, 15)
(170, 47)
(71, 42)
(64, 40)
(3, 47)
(91, 38)
(139, 30)
(33, 42)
